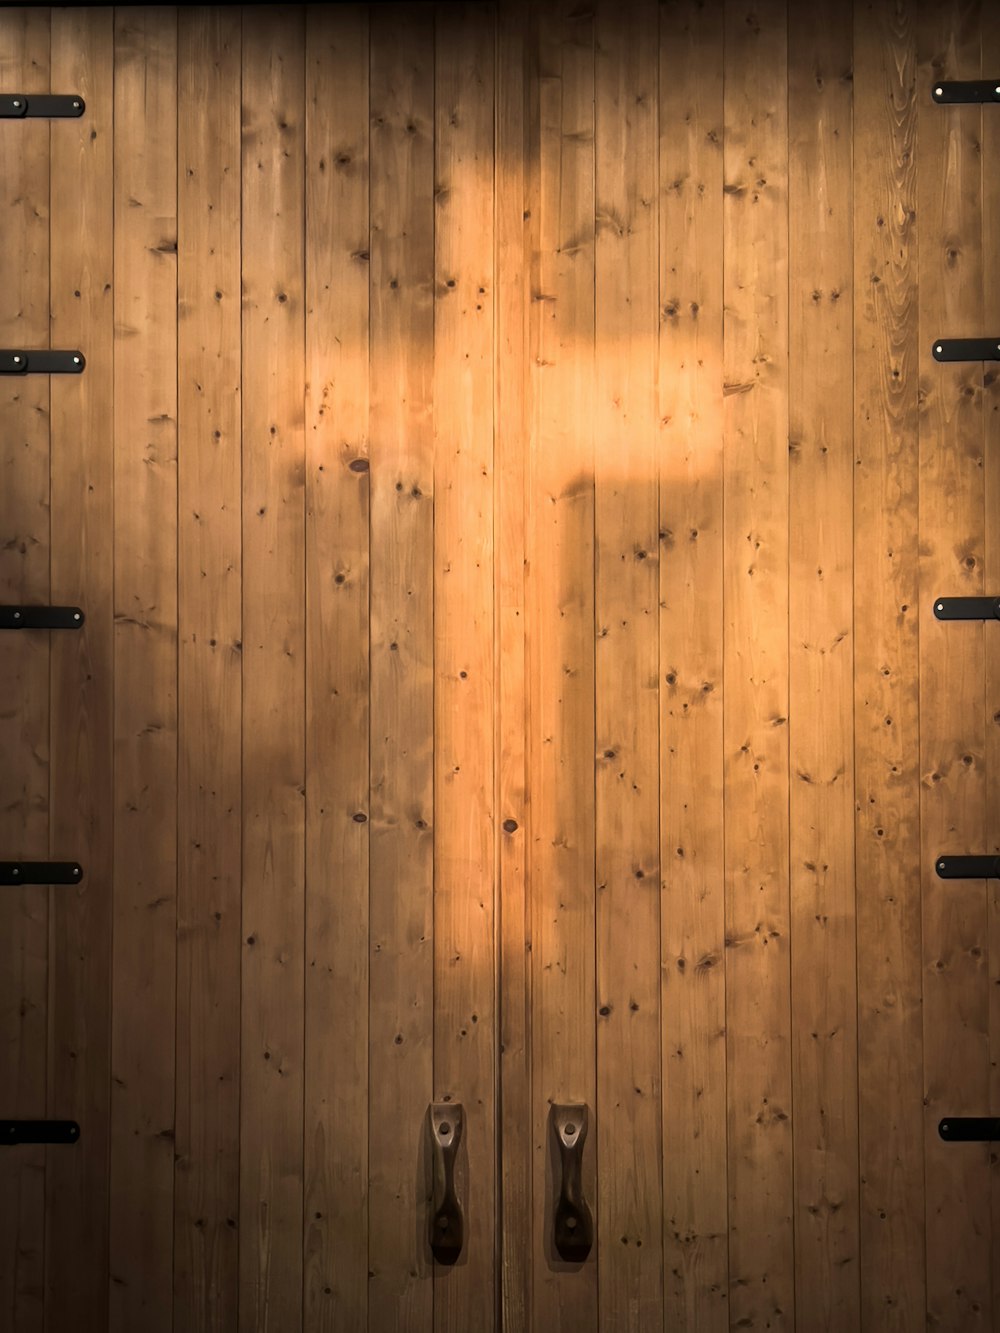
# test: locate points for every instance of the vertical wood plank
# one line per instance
(561, 518)
(756, 664)
(629, 1199)
(693, 928)
(145, 561)
(206, 1205)
(402, 672)
(821, 668)
(83, 667)
(24, 663)
(991, 384)
(337, 588)
(952, 673)
(511, 442)
(464, 923)
(271, 1071)
(887, 759)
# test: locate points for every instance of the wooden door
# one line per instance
(508, 491)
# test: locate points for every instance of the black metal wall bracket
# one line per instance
(969, 90)
(41, 617)
(41, 361)
(51, 106)
(970, 1128)
(13, 1132)
(447, 1228)
(968, 867)
(967, 608)
(967, 349)
(40, 872)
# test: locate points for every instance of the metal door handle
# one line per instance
(447, 1224)
(573, 1221)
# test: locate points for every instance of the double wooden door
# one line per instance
(507, 493)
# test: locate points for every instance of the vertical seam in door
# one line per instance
(368, 1063)
(177, 640)
(239, 1079)
(498, 1106)
(303, 134)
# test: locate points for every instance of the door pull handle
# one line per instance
(572, 1219)
(447, 1229)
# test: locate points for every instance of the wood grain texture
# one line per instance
(511, 556)
(693, 955)
(991, 571)
(337, 719)
(24, 664)
(145, 607)
(952, 675)
(821, 668)
(464, 685)
(83, 673)
(756, 666)
(561, 540)
(209, 549)
(274, 667)
(401, 1021)
(886, 721)
(626, 600)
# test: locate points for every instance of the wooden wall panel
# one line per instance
(758, 1019)
(512, 227)
(209, 578)
(952, 675)
(401, 1017)
(337, 719)
(145, 609)
(561, 636)
(886, 721)
(821, 668)
(408, 332)
(626, 597)
(271, 1104)
(693, 928)
(83, 673)
(991, 571)
(24, 666)
(464, 686)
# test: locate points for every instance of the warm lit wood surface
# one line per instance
(507, 491)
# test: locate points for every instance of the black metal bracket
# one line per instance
(970, 1128)
(572, 1220)
(447, 1228)
(41, 361)
(13, 1132)
(967, 349)
(968, 867)
(969, 90)
(41, 617)
(40, 872)
(967, 608)
(51, 106)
